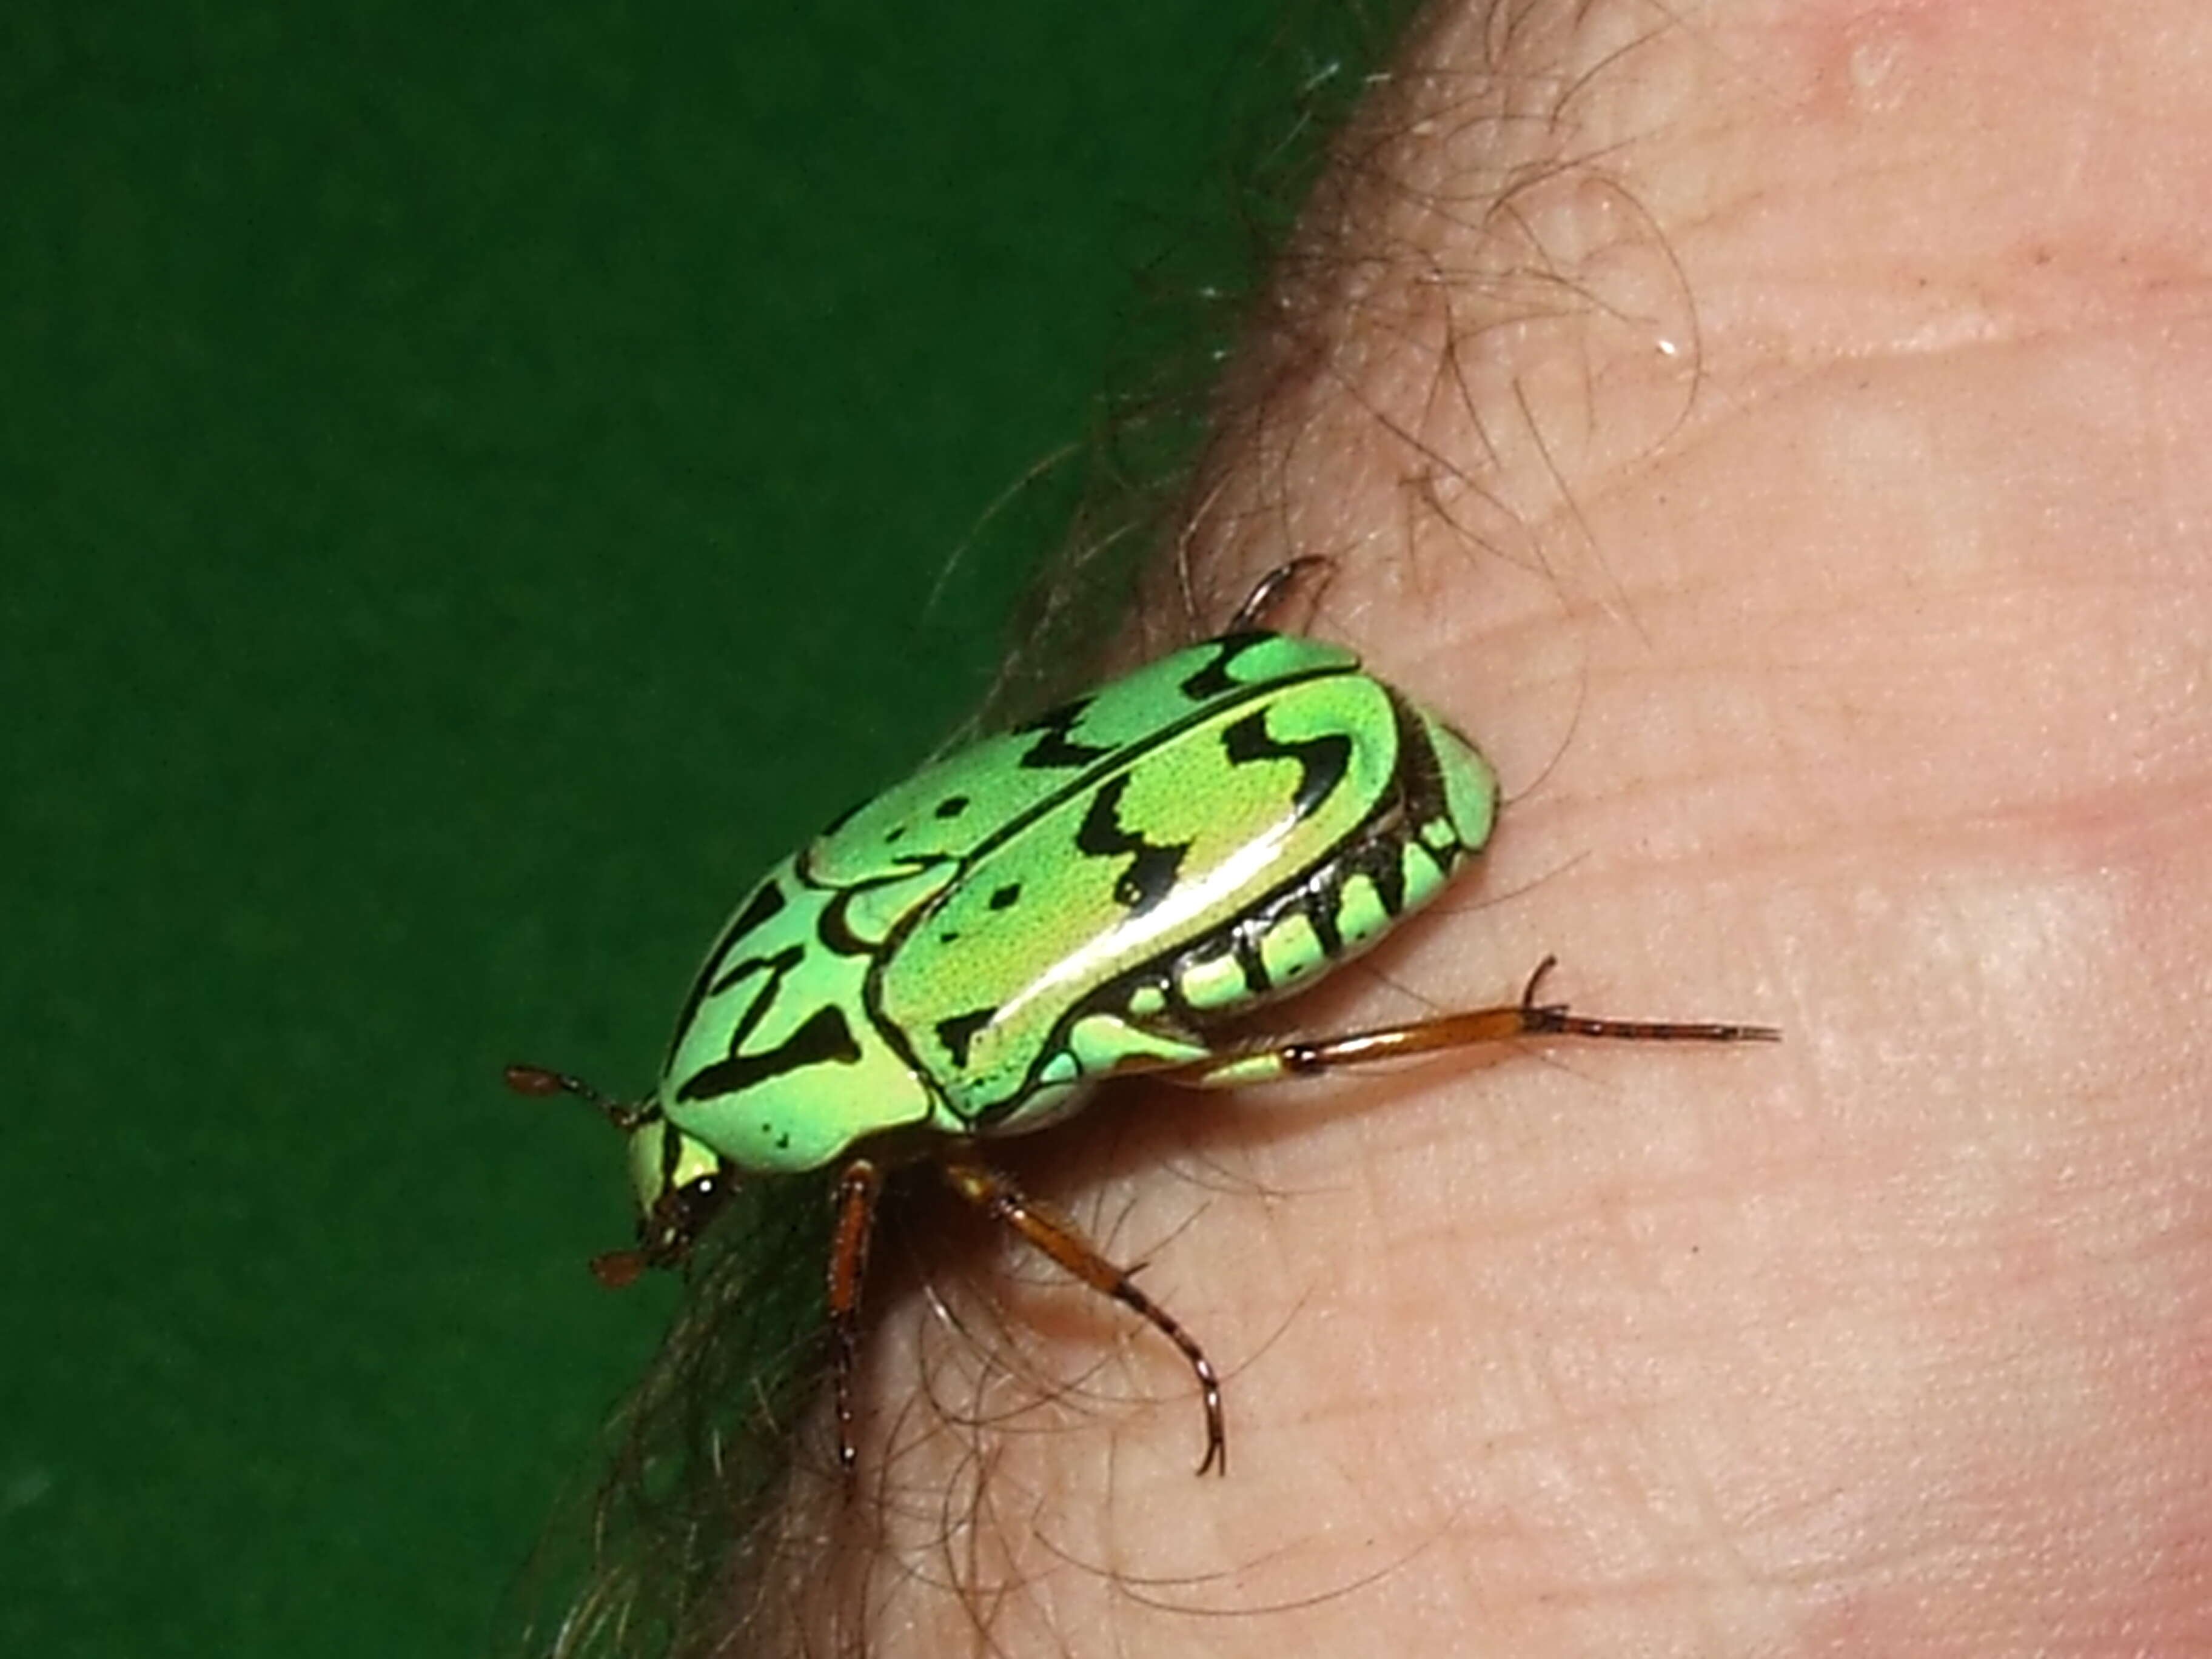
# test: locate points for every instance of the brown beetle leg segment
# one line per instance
(998, 1197)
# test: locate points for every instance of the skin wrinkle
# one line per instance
(1879, 680)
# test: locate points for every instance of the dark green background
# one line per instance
(470, 479)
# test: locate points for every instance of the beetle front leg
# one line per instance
(1268, 592)
(998, 1197)
(1475, 1027)
(859, 1186)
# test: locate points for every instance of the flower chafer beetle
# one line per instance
(1086, 896)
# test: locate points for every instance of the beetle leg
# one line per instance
(998, 1197)
(858, 1186)
(1268, 592)
(1473, 1029)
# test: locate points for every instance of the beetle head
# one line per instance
(679, 1180)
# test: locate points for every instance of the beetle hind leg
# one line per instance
(859, 1186)
(1475, 1027)
(998, 1197)
(1268, 592)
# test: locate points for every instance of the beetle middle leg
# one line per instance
(1475, 1027)
(998, 1197)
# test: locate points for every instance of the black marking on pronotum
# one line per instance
(1054, 747)
(836, 932)
(764, 907)
(952, 807)
(1003, 897)
(775, 966)
(1150, 875)
(1321, 761)
(1212, 680)
(959, 1031)
(824, 1039)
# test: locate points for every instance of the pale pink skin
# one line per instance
(1802, 488)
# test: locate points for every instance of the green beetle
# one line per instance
(1083, 896)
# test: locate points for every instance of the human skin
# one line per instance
(1776, 434)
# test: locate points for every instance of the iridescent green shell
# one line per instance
(1081, 895)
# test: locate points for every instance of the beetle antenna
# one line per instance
(537, 1080)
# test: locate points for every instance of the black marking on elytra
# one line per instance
(1420, 769)
(1388, 871)
(767, 903)
(1319, 903)
(952, 807)
(1055, 746)
(823, 1039)
(1212, 680)
(1005, 898)
(1154, 866)
(1375, 851)
(1250, 963)
(1321, 761)
(957, 1033)
(1442, 861)
(1059, 750)
(1179, 1013)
